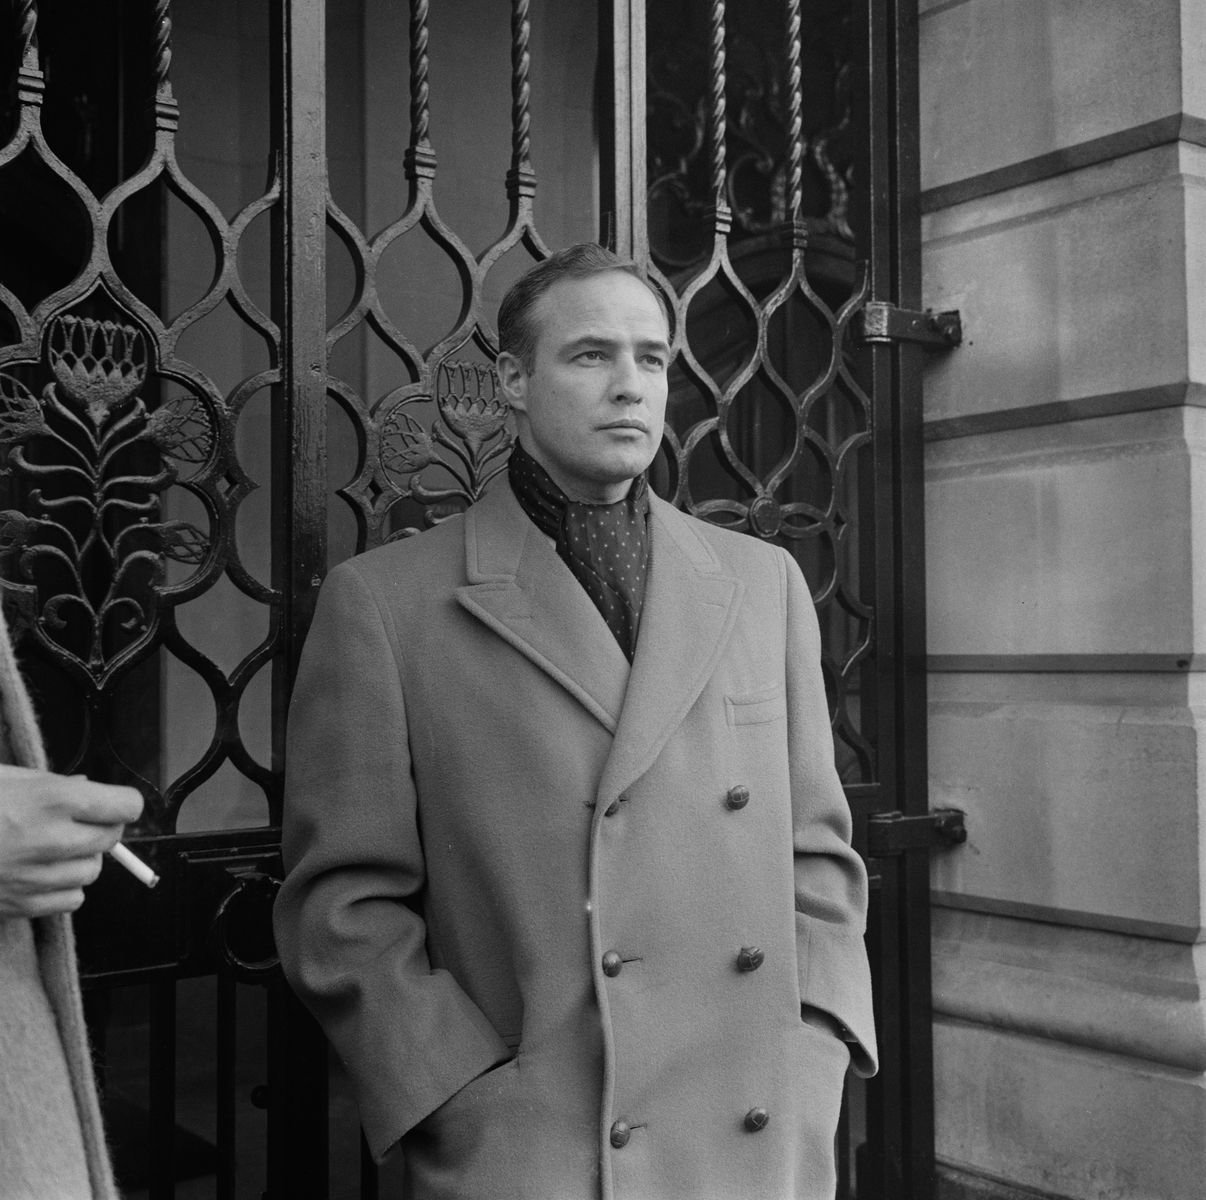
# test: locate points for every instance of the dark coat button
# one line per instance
(738, 797)
(621, 1131)
(613, 964)
(755, 1119)
(749, 958)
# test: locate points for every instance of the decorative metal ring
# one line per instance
(253, 893)
(766, 516)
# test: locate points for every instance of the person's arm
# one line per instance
(54, 830)
(831, 880)
(350, 934)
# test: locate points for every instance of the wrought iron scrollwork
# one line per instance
(122, 477)
(90, 542)
(467, 441)
(439, 441)
(731, 142)
(765, 137)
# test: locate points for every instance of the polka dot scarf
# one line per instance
(605, 545)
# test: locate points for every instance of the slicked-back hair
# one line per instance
(517, 331)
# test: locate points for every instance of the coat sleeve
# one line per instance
(348, 926)
(831, 880)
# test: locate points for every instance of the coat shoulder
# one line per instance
(732, 551)
(434, 555)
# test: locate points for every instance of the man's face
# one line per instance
(591, 409)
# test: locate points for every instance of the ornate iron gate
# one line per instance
(760, 159)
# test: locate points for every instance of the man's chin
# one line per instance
(625, 468)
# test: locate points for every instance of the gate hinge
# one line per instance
(884, 322)
(893, 832)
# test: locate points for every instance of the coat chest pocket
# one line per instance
(756, 708)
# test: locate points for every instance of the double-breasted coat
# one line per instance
(558, 915)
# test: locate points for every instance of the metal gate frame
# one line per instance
(215, 881)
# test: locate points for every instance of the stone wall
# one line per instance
(1063, 158)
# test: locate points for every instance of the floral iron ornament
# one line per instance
(87, 551)
(470, 424)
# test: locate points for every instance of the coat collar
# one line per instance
(521, 589)
(691, 605)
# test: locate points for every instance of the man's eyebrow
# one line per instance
(594, 341)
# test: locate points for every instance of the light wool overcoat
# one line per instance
(557, 915)
(52, 1142)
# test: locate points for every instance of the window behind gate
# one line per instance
(250, 258)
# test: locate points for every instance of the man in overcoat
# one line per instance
(570, 884)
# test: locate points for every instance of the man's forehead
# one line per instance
(594, 305)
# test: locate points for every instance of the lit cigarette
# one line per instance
(134, 865)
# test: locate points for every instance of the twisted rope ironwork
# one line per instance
(521, 92)
(795, 123)
(420, 91)
(162, 51)
(717, 100)
(27, 24)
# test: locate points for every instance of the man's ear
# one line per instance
(512, 379)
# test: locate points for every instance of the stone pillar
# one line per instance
(1064, 177)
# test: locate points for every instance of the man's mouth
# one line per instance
(628, 423)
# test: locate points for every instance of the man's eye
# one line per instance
(656, 361)
(592, 355)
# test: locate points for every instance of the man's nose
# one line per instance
(628, 387)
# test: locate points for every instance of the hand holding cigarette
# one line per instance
(54, 830)
(134, 865)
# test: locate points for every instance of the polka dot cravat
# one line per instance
(606, 546)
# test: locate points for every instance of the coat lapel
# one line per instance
(690, 609)
(521, 589)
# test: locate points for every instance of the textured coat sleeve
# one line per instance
(831, 880)
(348, 926)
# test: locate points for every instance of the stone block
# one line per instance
(1066, 1121)
(1003, 81)
(1069, 540)
(1134, 996)
(1072, 289)
(1082, 796)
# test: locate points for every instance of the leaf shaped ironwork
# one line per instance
(89, 547)
(467, 440)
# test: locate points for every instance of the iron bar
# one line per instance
(716, 108)
(622, 150)
(795, 121)
(297, 1083)
(842, 1153)
(300, 556)
(369, 1184)
(162, 49)
(910, 719)
(226, 1049)
(26, 20)
(521, 179)
(161, 1076)
(521, 90)
(420, 67)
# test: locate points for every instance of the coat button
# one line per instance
(621, 1131)
(613, 964)
(738, 797)
(755, 1119)
(750, 958)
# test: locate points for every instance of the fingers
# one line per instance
(45, 904)
(100, 803)
(71, 796)
(43, 889)
(46, 819)
(66, 875)
(74, 839)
